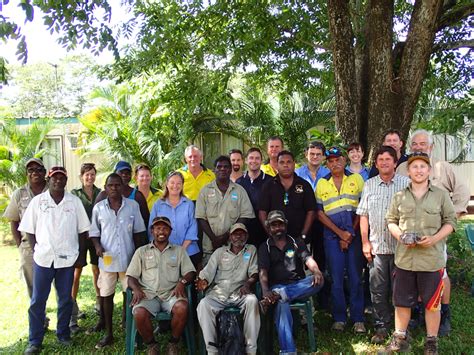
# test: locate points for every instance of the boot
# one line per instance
(108, 309)
(97, 305)
(445, 324)
(101, 322)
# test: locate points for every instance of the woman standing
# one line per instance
(180, 211)
(88, 192)
(143, 178)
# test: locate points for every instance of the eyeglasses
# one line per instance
(286, 199)
(35, 170)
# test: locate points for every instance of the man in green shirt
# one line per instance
(420, 217)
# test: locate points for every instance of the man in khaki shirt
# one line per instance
(231, 272)
(420, 217)
(221, 204)
(158, 275)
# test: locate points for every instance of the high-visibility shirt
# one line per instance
(193, 185)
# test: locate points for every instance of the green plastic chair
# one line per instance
(132, 336)
(470, 236)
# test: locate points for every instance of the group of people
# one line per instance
(293, 230)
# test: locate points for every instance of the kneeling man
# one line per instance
(158, 275)
(231, 272)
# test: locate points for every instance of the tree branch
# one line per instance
(455, 15)
(448, 46)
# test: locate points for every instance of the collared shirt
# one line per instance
(226, 272)
(268, 169)
(374, 171)
(442, 175)
(193, 185)
(364, 172)
(182, 220)
(152, 197)
(18, 203)
(88, 204)
(56, 227)
(425, 217)
(374, 203)
(222, 211)
(339, 206)
(295, 203)
(116, 231)
(305, 173)
(283, 266)
(158, 272)
(253, 187)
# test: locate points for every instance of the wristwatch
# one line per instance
(183, 281)
(303, 236)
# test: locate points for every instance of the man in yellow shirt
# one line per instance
(274, 146)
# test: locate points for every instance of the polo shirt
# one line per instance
(56, 228)
(305, 173)
(339, 206)
(283, 266)
(88, 204)
(158, 272)
(222, 212)
(192, 185)
(253, 187)
(116, 231)
(226, 272)
(268, 169)
(295, 203)
(424, 216)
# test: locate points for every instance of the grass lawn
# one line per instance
(14, 321)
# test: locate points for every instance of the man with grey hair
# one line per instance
(442, 175)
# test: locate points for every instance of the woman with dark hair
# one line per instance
(143, 179)
(180, 211)
(88, 192)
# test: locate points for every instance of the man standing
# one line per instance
(158, 275)
(280, 263)
(237, 161)
(274, 147)
(196, 175)
(252, 181)
(16, 209)
(117, 231)
(56, 223)
(337, 196)
(291, 194)
(442, 175)
(392, 138)
(420, 217)
(221, 204)
(230, 274)
(378, 246)
(313, 170)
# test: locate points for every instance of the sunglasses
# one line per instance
(332, 151)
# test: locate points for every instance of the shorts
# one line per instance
(82, 258)
(155, 305)
(408, 285)
(108, 280)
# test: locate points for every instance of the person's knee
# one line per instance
(141, 315)
(180, 309)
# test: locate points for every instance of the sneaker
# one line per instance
(105, 341)
(338, 326)
(380, 336)
(398, 343)
(359, 328)
(33, 349)
(172, 349)
(153, 349)
(445, 324)
(431, 346)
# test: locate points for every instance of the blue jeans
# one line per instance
(300, 289)
(338, 262)
(42, 279)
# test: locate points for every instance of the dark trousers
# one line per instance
(42, 280)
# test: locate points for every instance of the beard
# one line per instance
(236, 168)
(280, 235)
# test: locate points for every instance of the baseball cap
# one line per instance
(122, 165)
(334, 152)
(237, 226)
(34, 160)
(161, 219)
(420, 156)
(276, 215)
(57, 170)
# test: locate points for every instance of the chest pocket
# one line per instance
(432, 217)
(212, 208)
(150, 266)
(172, 269)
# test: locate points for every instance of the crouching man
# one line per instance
(280, 261)
(158, 275)
(229, 276)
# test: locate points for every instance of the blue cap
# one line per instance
(122, 165)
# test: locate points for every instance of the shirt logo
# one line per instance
(234, 196)
(211, 194)
(247, 256)
(299, 189)
(290, 253)
(173, 257)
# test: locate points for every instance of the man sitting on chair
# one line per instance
(231, 272)
(158, 275)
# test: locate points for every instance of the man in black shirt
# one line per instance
(280, 263)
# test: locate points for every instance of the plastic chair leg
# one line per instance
(310, 325)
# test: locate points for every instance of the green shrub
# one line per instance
(460, 256)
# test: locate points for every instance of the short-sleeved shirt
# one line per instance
(253, 187)
(193, 185)
(157, 271)
(56, 227)
(305, 173)
(295, 203)
(339, 206)
(222, 212)
(268, 169)
(88, 204)
(182, 220)
(226, 272)
(283, 266)
(374, 203)
(364, 172)
(116, 231)
(425, 217)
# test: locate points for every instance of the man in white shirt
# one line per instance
(53, 221)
